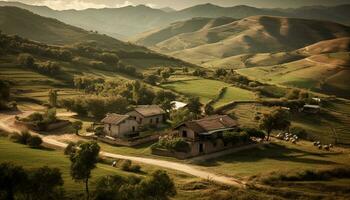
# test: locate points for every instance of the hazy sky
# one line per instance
(177, 4)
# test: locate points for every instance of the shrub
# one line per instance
(298, 131)
(253, 132)
(135, 168)
(70, 148)
(34, 141)
(34, 117)
(172, 144)
(22, 138)
(126, 164)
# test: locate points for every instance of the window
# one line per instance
(140, 120)
(151, 121)
(109, 127)
(157, 120)
(133, 129)
(184, 133)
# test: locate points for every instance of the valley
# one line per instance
(198, 96)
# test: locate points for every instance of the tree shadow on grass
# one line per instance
(271, 151)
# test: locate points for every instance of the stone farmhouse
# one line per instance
(148, 115)
(130, 124)
(204, 135)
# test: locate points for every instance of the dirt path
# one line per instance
(6, 123)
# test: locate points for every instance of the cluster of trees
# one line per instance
(42, 183)
(84, 157)
(95, 106)
(128, 166)
(192, 111)
(295, 94)
(16, 44)
(49, 68)
(41, 119)
(114, 96)
(157, 186)
(231, 137)
(26, 138)
(277, 119)
(87, 83)
(242, 135)
(199, 72)
(5, 92)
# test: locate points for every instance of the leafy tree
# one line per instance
(45, 183)
(199, 72)
(220, 72)
(50, 115)
(159, 186)
(278, 119)
(12, 179)
(70, 149)
(293, 94)
(77, 125)
(164, 99)
(185, 70)
(83, 161)
(26, 60)
(151, 79)
(165, 75)
(53, 98)
(181, 115)
(209, 109)
(194, 105)
(4, 90)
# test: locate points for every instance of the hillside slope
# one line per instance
(131, 20)
(258, 34)
(26, 24)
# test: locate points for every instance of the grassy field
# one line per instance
(34, 158)
(321, 73)
(331, 126)
(207, 89)
(278, 156)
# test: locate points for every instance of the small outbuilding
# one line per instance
(311, 108)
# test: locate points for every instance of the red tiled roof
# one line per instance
(211, 123)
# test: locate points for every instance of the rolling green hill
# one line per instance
(26, 24)
(17, 21)
(131, 20)
(258, 34)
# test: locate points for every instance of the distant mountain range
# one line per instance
(204, 39)
(131, 20)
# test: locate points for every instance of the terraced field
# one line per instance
(207, 89)
(322, 73)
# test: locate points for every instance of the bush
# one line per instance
(34, 141)
(21, 138)
(309, 175)
(235, 137)
(135, 168)
(172, 144)
(298, 131)
(126, 164)
(34, 117)
(253, 132)
(70, 149)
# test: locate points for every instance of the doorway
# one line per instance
(201, 148)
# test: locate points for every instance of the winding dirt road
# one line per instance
(7, 124)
